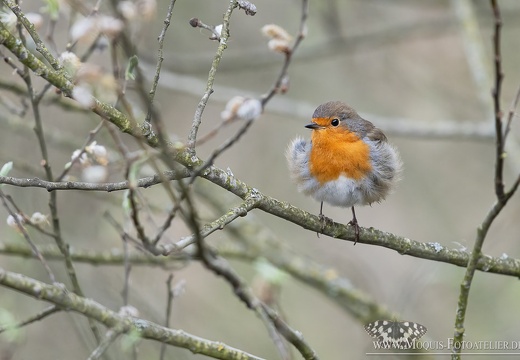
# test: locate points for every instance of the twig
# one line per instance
(27, 238)
(196, 23)
(197, 119)
(92, 134)
(108, 340)
(160, 59)
(219, 224)
(37, 317)
(110, 257)
(11, 63)
(294, 337)
(86, 186)
(511, 115)
(128, 268)
(215, 130)
(499, 164)
(288, 56)
(474, 259)
(169, 301)
(166, 224)
(227, 144)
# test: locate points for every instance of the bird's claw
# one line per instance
(324, 222)
(354, 223)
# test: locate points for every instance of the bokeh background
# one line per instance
(403, 64)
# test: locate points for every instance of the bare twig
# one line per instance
(475, 257)
(26, 236)
(169, 301)
(499, 164)
(196, 23)
(288, 56)
(37, 317)
(197, 119)
(294, 337)
(227, 144)
(160, 59)
(215, 130)
(110, 257)
(86, 186)
(92, 134)
(108, 340)
(128, 268)
(511, 115)
(219, 224)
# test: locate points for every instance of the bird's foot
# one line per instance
(324, 222)
(354, 223)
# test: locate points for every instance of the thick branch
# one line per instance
(91, 309)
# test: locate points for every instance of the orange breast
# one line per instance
(336, 152)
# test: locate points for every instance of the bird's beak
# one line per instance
(314, 126)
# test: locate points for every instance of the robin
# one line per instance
(348, 161)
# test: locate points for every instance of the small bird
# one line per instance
(348, 161)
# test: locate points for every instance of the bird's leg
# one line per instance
(354, 223)
(323, 219)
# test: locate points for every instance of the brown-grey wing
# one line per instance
(376, 134)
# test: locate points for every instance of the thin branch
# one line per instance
(110, 257)
(219, 224)
(197, 119)
(294, 337)
(91, 136)
(288, 56)
(37, 317)
(166, 224)
(512, 113)
(475, 257)
(110, 337)
(160, 58)
(169, 301)
(499, 164)
(26, 236)
(196, 23)
(128, 268)
(227, 144)
(86, 186)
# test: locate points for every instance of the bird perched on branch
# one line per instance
(348, 161)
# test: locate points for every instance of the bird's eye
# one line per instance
(334, 122)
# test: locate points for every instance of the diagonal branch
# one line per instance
(93, 310)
